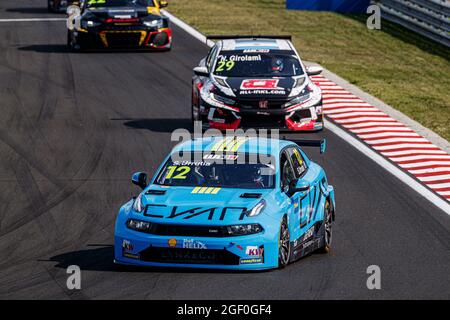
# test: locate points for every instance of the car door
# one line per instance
(287, 176)
(302, 201)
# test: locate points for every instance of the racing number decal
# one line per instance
(181, 172)
(222, 64)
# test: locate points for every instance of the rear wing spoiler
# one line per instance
(254, 37)
(322, 144)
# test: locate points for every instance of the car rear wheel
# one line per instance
(328, 231)
(284, 244)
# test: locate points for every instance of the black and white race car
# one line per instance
(255, 82)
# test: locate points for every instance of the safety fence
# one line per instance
(429, 18)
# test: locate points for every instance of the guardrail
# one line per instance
(429, 18)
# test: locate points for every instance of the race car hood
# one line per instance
(277, 88)
(120, 12)
(207, 206)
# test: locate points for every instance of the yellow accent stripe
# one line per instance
(222, 144)
(229, 144)
(238, 143)
(216, 190)
(202, 190)
(209, 190)
(205, 190)
(216, 145)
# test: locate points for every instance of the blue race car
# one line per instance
(228, 203)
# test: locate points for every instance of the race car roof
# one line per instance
(256, 44)
(234, 144)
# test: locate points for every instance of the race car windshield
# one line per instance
(119, 3)
(219, 172)
(239, 64)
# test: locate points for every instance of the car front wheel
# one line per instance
(328, 231)
(284, 245)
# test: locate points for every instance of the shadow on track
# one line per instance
(62, 48)
(46, 48)
(158, 125)
(100, 257)
(40, 10)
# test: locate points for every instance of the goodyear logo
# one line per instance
(205, 190)
(251, 261)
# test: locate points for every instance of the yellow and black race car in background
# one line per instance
(120, 24)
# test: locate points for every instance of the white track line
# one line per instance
(33, 20)
(358, 145)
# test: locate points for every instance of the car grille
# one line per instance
(254, 104)
(189, 231)
(263, 121)
(123, 39)
(189, 256)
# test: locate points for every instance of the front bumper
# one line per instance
(307, 119)
(252, 252)
(135, 38)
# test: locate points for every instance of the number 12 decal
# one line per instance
(175, 172)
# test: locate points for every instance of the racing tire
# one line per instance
(284, 244)
(193, 118)
(328, 229)
(72, 47)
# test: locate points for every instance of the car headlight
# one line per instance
(257, 209)
(223, 99)
(138, 225)
(299, 82)
(88, 24)
(244, 229)
(302, 98)
(154, 23)
(137, 205)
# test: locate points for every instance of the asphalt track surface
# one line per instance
(73, 127)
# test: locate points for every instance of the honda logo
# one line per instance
(263, 104)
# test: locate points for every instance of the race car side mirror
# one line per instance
(314, 70)
(139, 179)
(163, 4)
(298, 185)
(201, 71)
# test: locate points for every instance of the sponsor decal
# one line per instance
(188, 213)
(253, 84)
(127, 245)
(130, 255)
(172, 242)
(256, 51)
(231, 157)
(193, 244)
(251, 260)
(262, 92)
(254, 251)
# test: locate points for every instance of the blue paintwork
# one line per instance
(301, 213)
